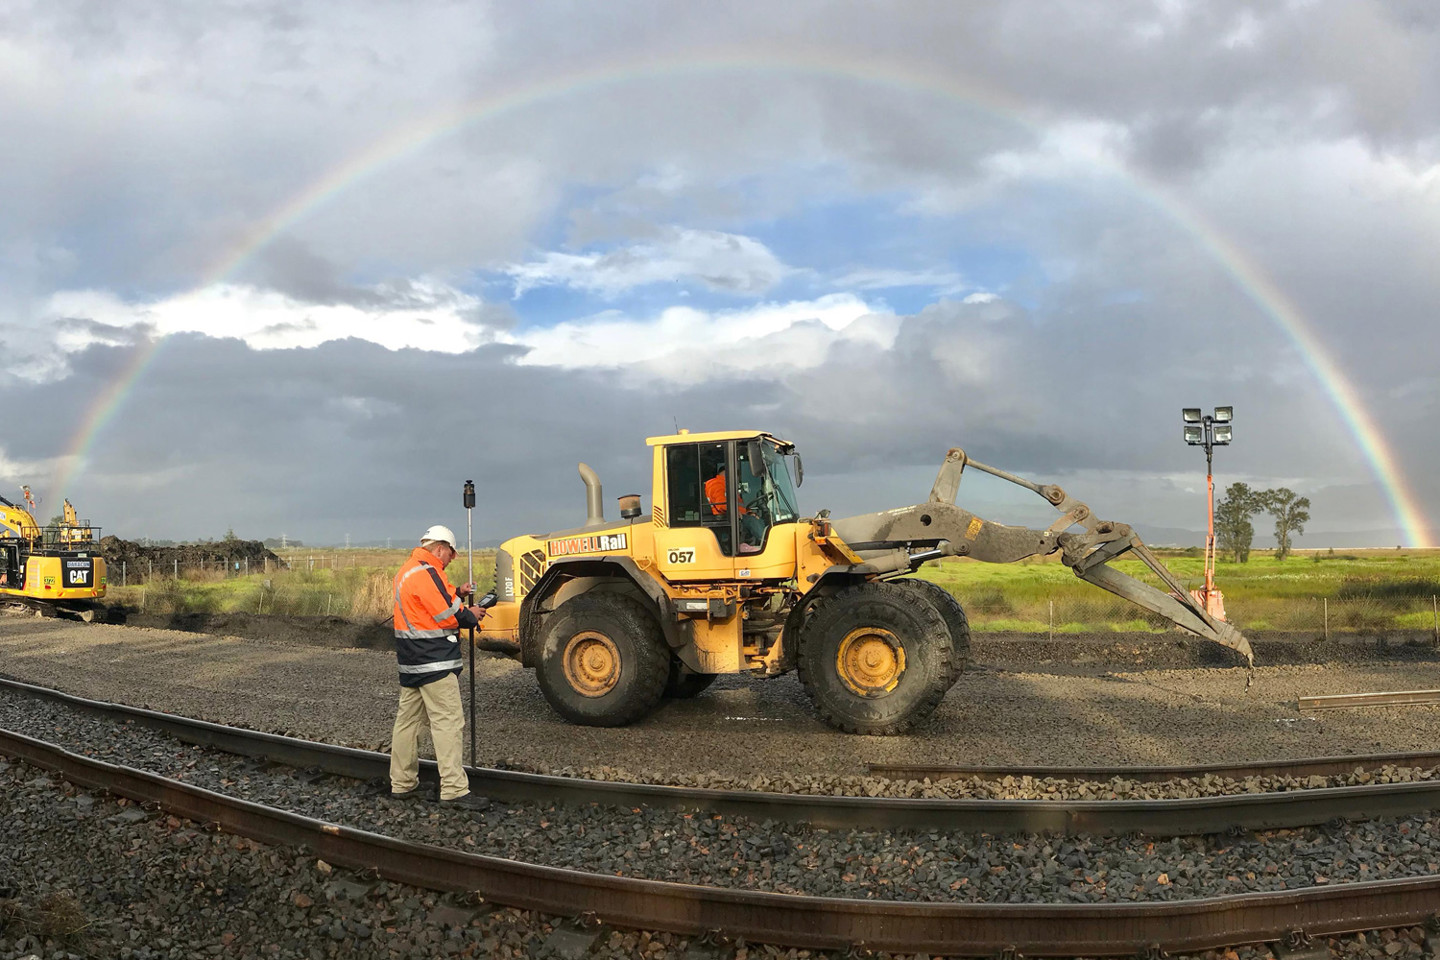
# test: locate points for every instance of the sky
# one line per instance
(305, 267)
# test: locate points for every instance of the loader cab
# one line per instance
(723, 497)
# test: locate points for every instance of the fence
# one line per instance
(126, 573)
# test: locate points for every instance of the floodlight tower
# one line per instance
(1209, 431)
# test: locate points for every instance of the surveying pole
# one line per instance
(469, 499)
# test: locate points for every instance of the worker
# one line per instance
(752, 531)
(428, 616)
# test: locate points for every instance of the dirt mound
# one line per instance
(138, 557)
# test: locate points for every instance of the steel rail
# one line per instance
(1393, 698)
(1159, 818)
(1110, 929)
(1300, 767)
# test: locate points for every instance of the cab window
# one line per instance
(696, 499)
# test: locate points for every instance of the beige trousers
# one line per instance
(439, 703)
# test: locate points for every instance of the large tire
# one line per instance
(684, 685)
(603, 661)
(954, 616)
(873, 660)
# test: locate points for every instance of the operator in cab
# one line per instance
(752, 531)
(429, 614)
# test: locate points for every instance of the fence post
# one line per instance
(1326, 602)
(247, 566)
(1052, 621)
(177, 568)
(327, 604)
(1435, 612)
(122, 573)
(149, 569)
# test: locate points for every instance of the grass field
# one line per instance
(355, 584)
(1352, 590)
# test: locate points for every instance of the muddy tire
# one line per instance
(603, 661)
(873, 660)
(684, 685)
(955, 620)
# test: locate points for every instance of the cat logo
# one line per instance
(601, 543)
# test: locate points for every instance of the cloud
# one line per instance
(719, 261)
(689, 345)
(423, 314)
(941, 281)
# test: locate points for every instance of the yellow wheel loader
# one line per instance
(724, 575)
(52, 570)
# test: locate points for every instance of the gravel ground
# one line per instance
(1024, 787)
(1012, 711)
(739, 852)
(89, 876)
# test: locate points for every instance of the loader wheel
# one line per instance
(603, 662)
(954, 616)
(873, 660)
(685, 685)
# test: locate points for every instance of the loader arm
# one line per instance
(939, 528)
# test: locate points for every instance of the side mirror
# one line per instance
(799, 471)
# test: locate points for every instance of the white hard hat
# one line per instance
(439, 532)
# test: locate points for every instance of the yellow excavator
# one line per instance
(52, 570)
(724, 575)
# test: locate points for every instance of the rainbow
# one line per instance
(409, 138)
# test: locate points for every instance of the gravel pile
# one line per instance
(737, 852)
(1013, 788)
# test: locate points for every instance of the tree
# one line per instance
(1233, 529)
(1291, 513)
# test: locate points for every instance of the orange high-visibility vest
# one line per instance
(428, 617)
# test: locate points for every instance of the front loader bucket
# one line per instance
(1176, 606)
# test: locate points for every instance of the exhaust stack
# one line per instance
(594, 499)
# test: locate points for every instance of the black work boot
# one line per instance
(467, 801)
(419, 793)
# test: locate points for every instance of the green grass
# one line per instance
(353, 584)
(1361, 590)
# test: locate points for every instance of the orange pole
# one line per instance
(1210, 536)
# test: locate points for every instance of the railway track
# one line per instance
(1157, 818)
(1107, 929)
(1304, 767)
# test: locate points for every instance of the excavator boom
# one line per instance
(895, 541)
